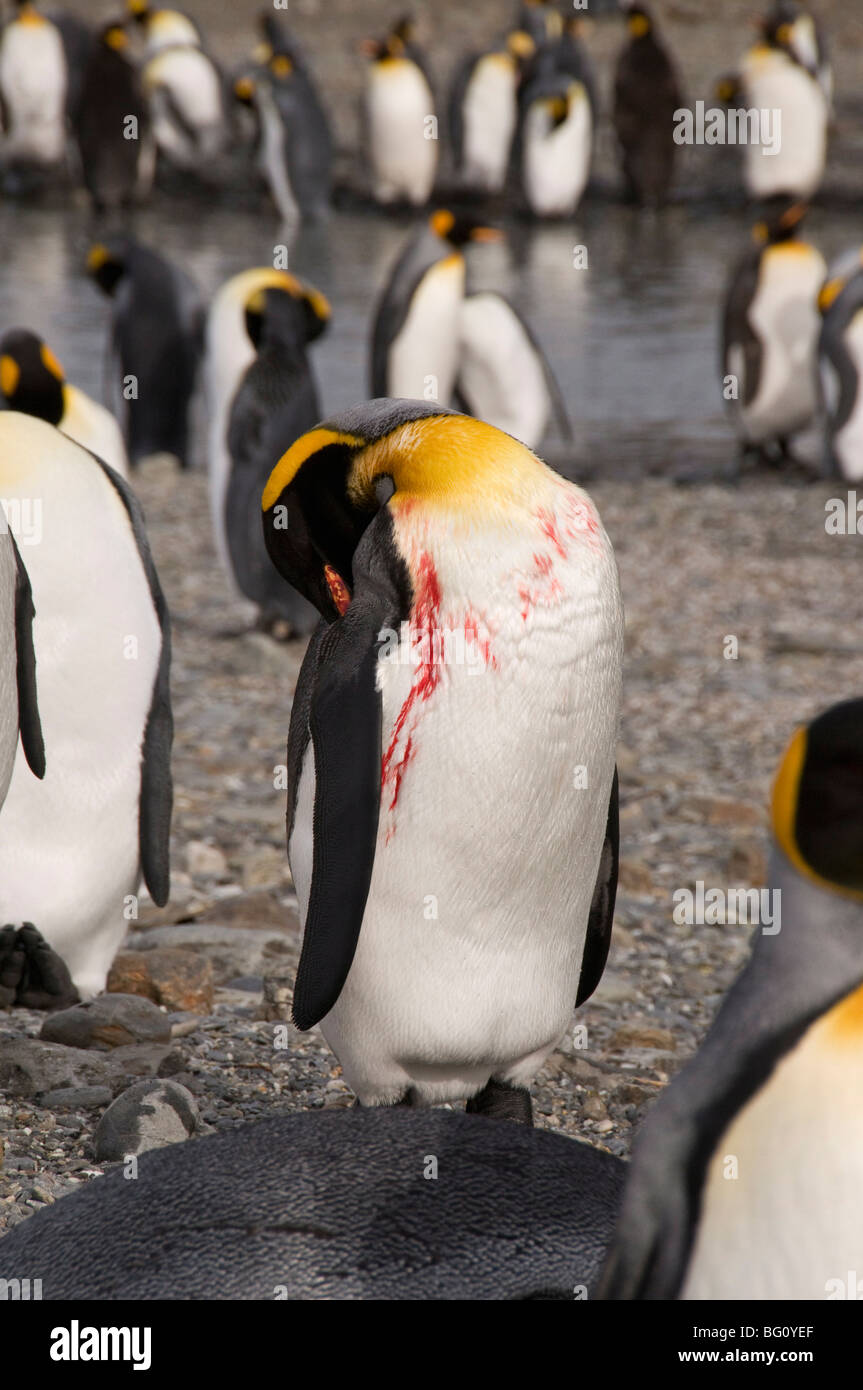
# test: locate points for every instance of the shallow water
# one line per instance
(632, 338)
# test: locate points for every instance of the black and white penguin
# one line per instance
(156, 343)
(745, 1178)
(118, 153)
(33, 82)
(275, 402)
(399, 118)
(555, 144)
(791, 27)
(504, 376)
(483, 111)
(416, 329)
(163, 27)
(75, 845)
(540, 19)
(294, 140)
(780, 76)
(770, 331)
(646, 95)
(840, 357)
(370, 1204)
(472, 627)
(230, 352)
(186, 100)
(32, 381)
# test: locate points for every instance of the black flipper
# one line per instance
(737, 331)
(29, 723)
(599, 923)
(345, 726)
(157, 792)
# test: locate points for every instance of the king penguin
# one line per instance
(230, 352)
(163, 27)
(483, 110)
(471, 642)
(504, 376)
(75, 845)
(646, 95)
(294, 140)
(118, 153)
(275, 402)
(415, 335)
(335, 1206)
(840, 356)
(782, 78)
(33, 80)
(32, 381)
(746, 1176)
(398, 107)
(156, 344)
(770, 333)
(555, 144)
(186, 100)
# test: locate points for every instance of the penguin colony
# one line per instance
(420, 516)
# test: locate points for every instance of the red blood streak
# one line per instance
(339, 591)
(426, 677)
(548, 527)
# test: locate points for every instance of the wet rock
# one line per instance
(138, 1059)
(76, 1097)
(231, 951)
(254, 911)
(112, 1020)
(168, 975)
(19, 1163)
(594, 1109)
(148, 1115)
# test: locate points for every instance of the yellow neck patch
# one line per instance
(30, 16)
(290, 463)
(844, 1023)
(830, 292)
(49, 361)
(116, 38)
(783, 811)
(10, 375)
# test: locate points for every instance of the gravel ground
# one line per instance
(700, 738)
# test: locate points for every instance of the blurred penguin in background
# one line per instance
(646, 95)
(484, 112)
(294, 141)
(164, 28)
(786, 79)
(33, 382)
(555, 144)
(33, 86)
(540, 19)
(155, 345)
(112, 127)
(184, 90)
(275, 402)
(400, 126)
(78, 41)
(770, 333)
(840, 356)
(415, 337)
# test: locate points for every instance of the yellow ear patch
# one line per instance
(116, 38)
(97, 256)
(783, 806)
(281, 65)
(256, 302)
(244, 88)
(638, 25)
(442, 222)
(50, 362)
(520, 44)
(290, 463)
(10, 374)
(830, 292)
(784, 32)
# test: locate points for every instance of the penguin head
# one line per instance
(324, 492)
(459, 229)
(777, 26)
(114, 36)
(106, 264)
(288, 314)
(139, 10)
(817, 804)
(781, 218)
(520, 45)
(31, 378)
(244, 90)
(639, 20)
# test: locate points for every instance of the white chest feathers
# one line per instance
(402, 146)
(791, 160)
(501, 375)
(784, 317)
(489, 118)
(848, 440)
(90, 424)
(423, 357)
(33, 85)
(556, 156)
(781, 1215)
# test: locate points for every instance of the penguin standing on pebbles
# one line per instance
(746, 1176)
(770, 334)
(840, 356)
(33, 81)
(74, 846)
(118, 157)
(32, 380)
(398, 106)
(484, 113)
(155, 347)
(472, 635)
(275, 402)
(646, 95)
(416, 330)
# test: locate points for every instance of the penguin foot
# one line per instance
(498, 1100)
(32, 975)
